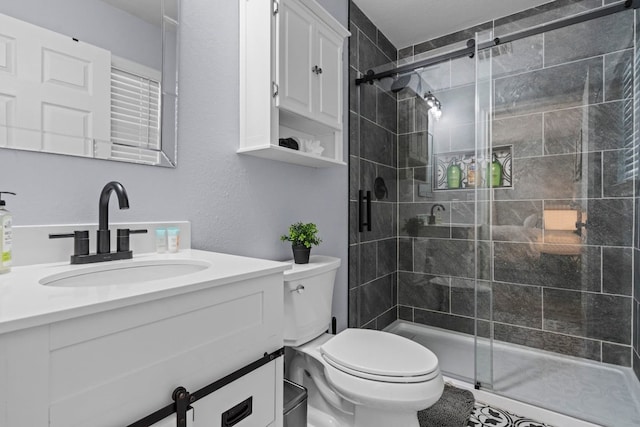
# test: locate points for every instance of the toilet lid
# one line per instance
(379, 356)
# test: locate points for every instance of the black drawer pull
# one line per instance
(238, 413)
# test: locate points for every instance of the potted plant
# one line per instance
(302, 238)
(413, 226)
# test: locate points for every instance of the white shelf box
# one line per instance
(301, 97)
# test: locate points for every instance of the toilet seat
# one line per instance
(380, 356)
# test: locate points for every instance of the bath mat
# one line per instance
(452, 410)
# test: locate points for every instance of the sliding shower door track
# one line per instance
(470, 50)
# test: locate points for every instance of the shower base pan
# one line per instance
(532, 379)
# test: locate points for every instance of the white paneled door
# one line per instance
(54, 90)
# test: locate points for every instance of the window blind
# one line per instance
(135, 116)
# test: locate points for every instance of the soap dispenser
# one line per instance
(5, 235)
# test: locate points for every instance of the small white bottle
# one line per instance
(173, 239)
(5, 235)
(161, 240)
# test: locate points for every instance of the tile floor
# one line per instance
(489, 416)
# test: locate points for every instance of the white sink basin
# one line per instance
(125, 273)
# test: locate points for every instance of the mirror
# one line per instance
(90, 78)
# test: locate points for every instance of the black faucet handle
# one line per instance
(62, 236)
(80, 241)
(122, 243)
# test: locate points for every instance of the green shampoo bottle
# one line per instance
(494, 172)
(454, 175)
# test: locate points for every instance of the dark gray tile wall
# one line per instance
(542, 14)
(561, 99)
(373, 151)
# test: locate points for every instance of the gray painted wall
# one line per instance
(237, 204)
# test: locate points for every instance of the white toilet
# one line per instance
(359, 377)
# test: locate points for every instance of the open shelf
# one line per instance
(275, 152)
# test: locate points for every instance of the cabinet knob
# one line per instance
(316, 69)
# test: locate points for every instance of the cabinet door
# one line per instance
(296, 50)
(249, 401)
(328, 97)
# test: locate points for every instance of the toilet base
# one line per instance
(371, 417)
(321, 414)
(368, 418)
(317, 418)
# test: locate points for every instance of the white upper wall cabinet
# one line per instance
(310, 66)
(301, 96)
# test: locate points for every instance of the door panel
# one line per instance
(54, 84)
(330, 79)
(483, 214)
(296, 59)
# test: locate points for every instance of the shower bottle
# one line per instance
(494, 172)
(454, 175)
(471, 174)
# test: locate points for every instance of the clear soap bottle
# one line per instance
(5, 235)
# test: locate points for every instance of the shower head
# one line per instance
(400, 83)
(434, 105)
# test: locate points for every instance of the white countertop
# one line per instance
(25, 303)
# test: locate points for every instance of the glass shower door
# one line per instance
(488, 175)
(557, 234)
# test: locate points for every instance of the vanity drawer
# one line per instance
(249, 401)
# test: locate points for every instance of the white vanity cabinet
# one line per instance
(301, 95)
(115, 365)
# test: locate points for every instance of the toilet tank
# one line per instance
(308, 293)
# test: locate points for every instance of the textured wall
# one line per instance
(237, 204)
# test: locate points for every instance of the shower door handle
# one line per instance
(361, 207)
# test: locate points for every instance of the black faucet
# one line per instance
(432, 217)
(81, 253)
(103, 244)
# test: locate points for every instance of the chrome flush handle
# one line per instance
(299, 289)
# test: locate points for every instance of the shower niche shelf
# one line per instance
(463, 158)
(302, 95)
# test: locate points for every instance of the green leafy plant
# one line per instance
(302, 234)
(413, 226)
